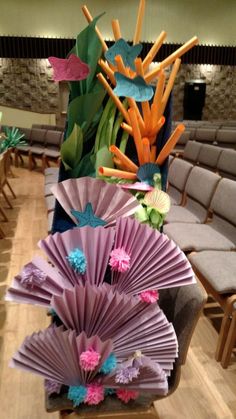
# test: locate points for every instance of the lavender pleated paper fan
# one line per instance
(130, 323)
(80, 254)
(37, 283)
(139, 373)
(156, 262)
(88, 200)
(55, 354)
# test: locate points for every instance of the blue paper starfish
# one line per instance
(127, 52)
(136, 88)
(87, 217)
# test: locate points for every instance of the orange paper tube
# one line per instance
(120, 65)
(145, 105)
(146, 150)
(116, 29)
(157, 128)
(89, 18)
(168, 147)
(156, 110)
(152, 74)
(127, 128)
(170, 83)
(115, 99)
(124, 159)
(154, 50)
(179, 52)
(109, 72)
(140, 120)
(139, 23)
(139, 66)
(153, 153)
(106, 171)
(119, 164)
(136, 134)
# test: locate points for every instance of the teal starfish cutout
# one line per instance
(87, 217)
(127, 52)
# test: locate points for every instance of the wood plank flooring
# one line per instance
(206, 391)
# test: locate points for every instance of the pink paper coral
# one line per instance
(119, 260)
(149, 296)
(89, 360)
(69, 69)
(126, 395)
(95, 394)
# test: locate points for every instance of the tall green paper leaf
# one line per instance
(72, 148)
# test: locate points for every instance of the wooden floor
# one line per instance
(206, 391)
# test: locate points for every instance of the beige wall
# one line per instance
(212, 20)
(24, 119)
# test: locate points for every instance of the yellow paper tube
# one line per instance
(154, 50)
(136, 135)
(157, 128)
(109, 72)
(179, 52)
(153, 153)
(124, 159)
(116, 29)
(146, 150)
(115, 99)
(170, 83)
(127, 128)
(106, 171)
(138, 28)
(89, 19)
(168, 147)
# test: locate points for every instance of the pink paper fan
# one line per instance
(108, 201)
(69, 69)
(95, 243)
(55, 354)
(156, 262)
(131, 324)
(137, 186)
(35, 292)
(138, 373)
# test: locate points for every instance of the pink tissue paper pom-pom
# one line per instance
(95, 394)
(126, 395)
(119, 260)
(149, 296)
(89, 360)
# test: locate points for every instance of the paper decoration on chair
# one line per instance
(55, 354)
(130, 323)
(138, 373)
(155, 260)
(137, 186)
(127, 52)
(135, 88)
(87, 217)
(108, 201)
(147, 171)
(158, 200)
(69, 69)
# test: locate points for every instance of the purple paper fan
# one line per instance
(156, 262)
(37, 283)
(108, 201)
(55, 354)
(138, 373)
(131, 324)
(96, 245)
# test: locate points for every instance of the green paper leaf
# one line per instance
(102, 122)
(141, 215)
(72, 148)
(103, 158)
(86, 167)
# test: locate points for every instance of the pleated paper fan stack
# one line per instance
(103, 289)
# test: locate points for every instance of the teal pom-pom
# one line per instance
(77, 260)
(109, 391)
(109, 365)
(77, 394)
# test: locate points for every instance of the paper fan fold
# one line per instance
(96, 245)
(108, 201)
(138, 373)
(55, 354)
(37, 283)
(131, 324)
(156, 262)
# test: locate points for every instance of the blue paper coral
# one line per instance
(77, 394)
(77, 260)
(109, 364)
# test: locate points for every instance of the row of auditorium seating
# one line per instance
(202, 221)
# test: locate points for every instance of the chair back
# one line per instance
(191, 151)
(226, 165)
(201, 185)
(209, 156)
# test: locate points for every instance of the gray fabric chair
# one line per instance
(219, 233)
(191, 151)
(205, 135)
(226, 138)
(200, 187)
(177, 177)
(217, 272)
(179, 148)
(209, 156)
(182, 306)
(226, 165)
